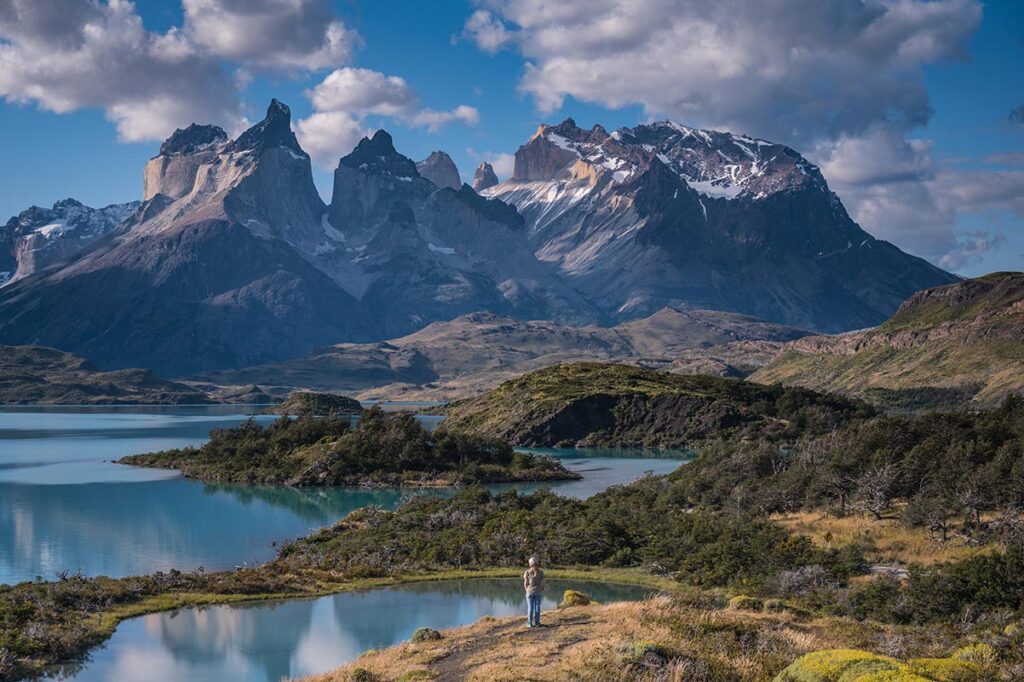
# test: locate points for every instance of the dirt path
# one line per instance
(509, 642)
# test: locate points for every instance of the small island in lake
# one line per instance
(382, 449)
(314, 404)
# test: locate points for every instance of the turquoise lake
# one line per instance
(64, 505)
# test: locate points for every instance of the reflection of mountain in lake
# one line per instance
(119, 529)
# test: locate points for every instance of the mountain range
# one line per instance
(233, 260)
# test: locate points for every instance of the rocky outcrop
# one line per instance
(484, 178)
(666, 215)
(440, 170)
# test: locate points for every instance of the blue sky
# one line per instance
(908, 116)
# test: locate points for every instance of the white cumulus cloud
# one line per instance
(346, 96)
(68, 54)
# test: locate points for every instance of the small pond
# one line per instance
(266, 642)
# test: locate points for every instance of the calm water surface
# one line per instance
(266, 642)
(65, 506)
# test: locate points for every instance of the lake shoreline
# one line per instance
(101, 626)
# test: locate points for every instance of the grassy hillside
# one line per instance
(41, 375)
(621, 405)
(944, 347)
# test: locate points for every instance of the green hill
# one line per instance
(945, 346)
(591, 404)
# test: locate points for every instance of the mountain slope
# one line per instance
(213, 271)
(665, 215)
(475, 352)
(944, 345)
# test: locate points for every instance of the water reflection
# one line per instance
(65, 506)
(265, 642)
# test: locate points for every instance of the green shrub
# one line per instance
(744, 603)
(574, 598)
(642, 647)
(363, 675)
(425, 635)
(852, 665)
(946, 669)
(982, 654)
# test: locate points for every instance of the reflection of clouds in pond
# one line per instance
(267, 641)
(325, 645)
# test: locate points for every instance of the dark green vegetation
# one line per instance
(310, 404)
(381, 449)
(943, 343)
(590, 404)
(41, 375)
(942, 465)
(647, 523)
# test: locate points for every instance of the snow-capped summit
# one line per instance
(716, 164)
(663, 214)
(38, 238)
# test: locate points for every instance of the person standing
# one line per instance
(533, 583)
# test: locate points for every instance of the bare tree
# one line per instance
(971, 494)
(874, 489)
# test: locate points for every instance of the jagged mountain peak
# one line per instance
(275, 130)
(485, 177)
(440, 170)
(377, 155)
(64, 204)
(38, 237)
(192, 139)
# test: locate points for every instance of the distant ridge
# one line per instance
(946, 345)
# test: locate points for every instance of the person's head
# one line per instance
(534, 561)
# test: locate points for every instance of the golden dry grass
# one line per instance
(887, 541)
(606, 643)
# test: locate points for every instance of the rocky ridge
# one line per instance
(484, 177)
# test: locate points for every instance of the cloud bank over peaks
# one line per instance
(842, 81)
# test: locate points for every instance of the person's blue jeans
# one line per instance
(533, 608)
